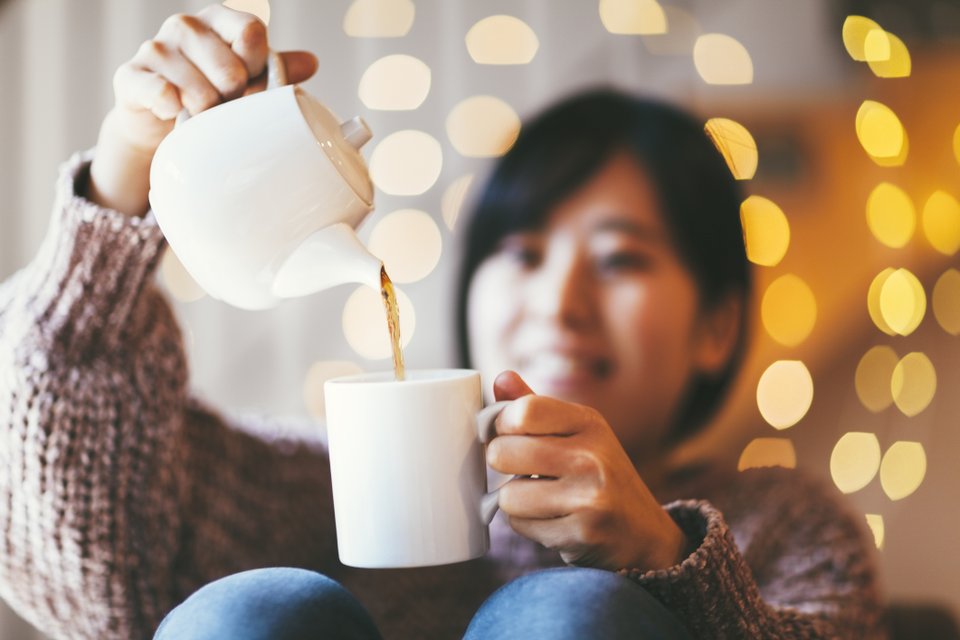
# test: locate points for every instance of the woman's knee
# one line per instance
(274, 603)
(574, 603)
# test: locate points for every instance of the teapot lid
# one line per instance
(341, 143)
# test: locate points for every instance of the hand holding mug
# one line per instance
(576, 491)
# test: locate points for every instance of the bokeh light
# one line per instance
(903, 469)
(482, 127)
(875, 522)
(364, 323)
(873, 301)
(902, 302)
(502, 40)
(881, 134)
(451, 204)
(178, 280)
(736, 145)
(633, 17)
(784, 393)
(890, 215)
(941, 222)
(946, 301)
(682, 33)
(379, 18)
(320, 372)
(873, 378)
(855, 30)
(788, 310)
(259, 8)
(855, 461)
(768, 452)
(766, 230)
(395, 83)
(406, 163)
(891, 58)
(722, 59)
(408, 242)
(913, 383)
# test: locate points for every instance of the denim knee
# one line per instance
(572, 603)
(275, 604)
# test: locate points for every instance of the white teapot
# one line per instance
(260, 197)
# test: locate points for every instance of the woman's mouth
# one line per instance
(560, 372)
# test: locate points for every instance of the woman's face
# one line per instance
(596, 308)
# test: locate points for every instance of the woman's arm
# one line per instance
(805, 566)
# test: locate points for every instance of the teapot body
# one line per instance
(238, 188)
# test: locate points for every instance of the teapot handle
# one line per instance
(276, 77)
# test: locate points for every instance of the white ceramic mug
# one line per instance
(259, 196)
(408, 467)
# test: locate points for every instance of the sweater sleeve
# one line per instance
(119, 493)
(807, 570)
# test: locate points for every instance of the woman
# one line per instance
(604, 270)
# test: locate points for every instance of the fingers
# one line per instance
(209, 53)
(300, 65)
(537, 499)
(510, 386)
(245, 33)
(527, 456)
(540, 415)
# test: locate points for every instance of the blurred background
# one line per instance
(840, 116)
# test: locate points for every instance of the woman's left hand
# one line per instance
(586, 499)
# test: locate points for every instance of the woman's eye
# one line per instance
(623, 261)
(525, 254)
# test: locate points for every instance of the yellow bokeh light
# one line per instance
(768, 452)
(502, 40)
(902, 302)
(364, 323)
(408, 242)
(873, 378)
(395, 83)
(320, 372)
(881, 134)
(788, 310)
(890, 215)
(451, 204)
(736, 145)
(873, 301)
(259, 8)
(891, 59)
(177, 280)
(406, 163)
(903, 469)
(946, 301)
(483, 127)
(766, 230)
(855, 461)
(379, 18)
(913, 383)
(721, 59)
(855, 30)
(875, 522)
(682, 32)
(633, 17)
(941, 222)
(785, 393)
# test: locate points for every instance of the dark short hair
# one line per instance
(562, 148)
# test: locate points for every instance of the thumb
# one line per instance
(299, 65)
(510, 386)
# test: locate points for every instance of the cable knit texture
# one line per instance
(120, 494)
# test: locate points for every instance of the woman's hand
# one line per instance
(194, 62)
(586, 500)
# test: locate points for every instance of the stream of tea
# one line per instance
(393, 323)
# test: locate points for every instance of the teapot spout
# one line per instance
(330, 256)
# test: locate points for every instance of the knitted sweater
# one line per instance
(120, 493)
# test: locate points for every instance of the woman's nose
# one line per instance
(564, 292)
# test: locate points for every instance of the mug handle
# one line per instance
(276, 77)
(489, 502)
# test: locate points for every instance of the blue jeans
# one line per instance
(296, 604)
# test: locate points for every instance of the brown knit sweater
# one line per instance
(120, 494)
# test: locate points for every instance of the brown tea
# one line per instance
(393, 322)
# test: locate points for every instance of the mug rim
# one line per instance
(414, 377)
